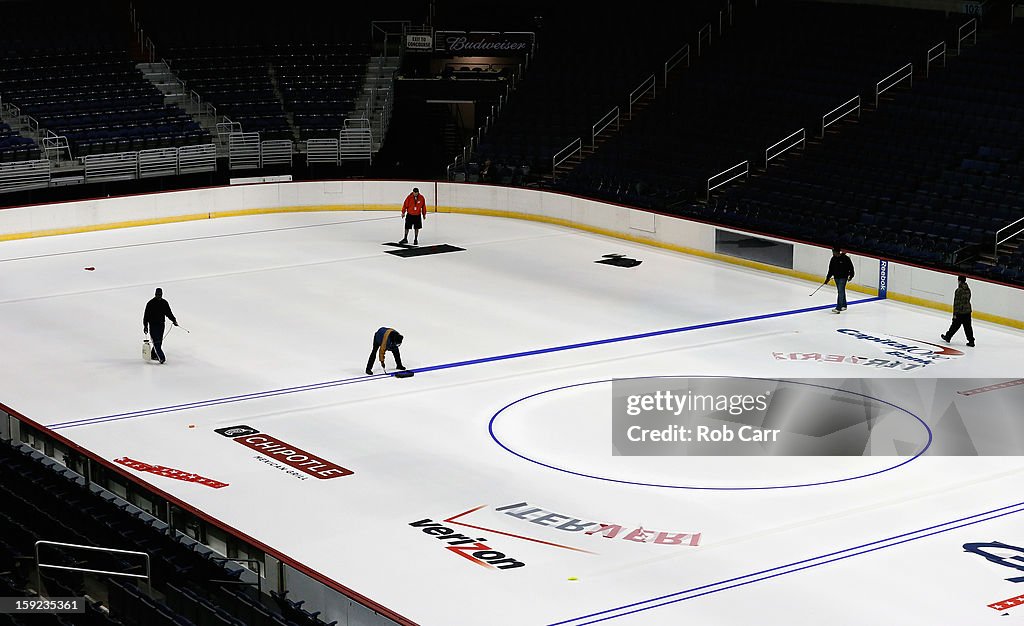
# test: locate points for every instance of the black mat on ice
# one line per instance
(407, 251)
(618, 260)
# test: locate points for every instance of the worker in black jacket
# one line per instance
(153, 322)
(840, 268)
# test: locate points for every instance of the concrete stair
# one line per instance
(1009, 247)
(377, 95)
(176, 92)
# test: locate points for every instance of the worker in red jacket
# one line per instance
(414, 210)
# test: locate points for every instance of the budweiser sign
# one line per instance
(460, 43)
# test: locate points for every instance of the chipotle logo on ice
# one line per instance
(283, 452)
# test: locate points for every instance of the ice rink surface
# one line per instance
(504, 434)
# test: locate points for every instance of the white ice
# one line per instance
(273, 306)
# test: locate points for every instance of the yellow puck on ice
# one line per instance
(573, 578)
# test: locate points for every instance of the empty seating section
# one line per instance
(300, 81)
(320, 87)
(930, 177)
(67, 67)
(237, 81)
(260, 86)
(780, 69)
(585, 65)
(14, 147)
(190, 584)
(98, 100)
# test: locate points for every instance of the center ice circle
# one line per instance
(569, 429)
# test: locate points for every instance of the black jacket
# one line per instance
(156, 310)
(841, 267)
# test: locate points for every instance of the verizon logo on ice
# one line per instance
(285, 453)
(467, 547)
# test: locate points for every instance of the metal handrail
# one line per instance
(675, 60)
(649, 85)
(801, 140)
(825, 124)
(700, 37)
(902, 74)
(929, 57)
(574, 147)
(39, 566)
(595, 131)
(746, 172)
(1008, 237)
(973, 24)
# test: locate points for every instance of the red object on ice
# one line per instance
(90, 268)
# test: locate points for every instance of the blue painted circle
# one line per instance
(490, 428)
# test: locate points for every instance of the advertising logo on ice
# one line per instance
(471, 548)
(1004, 555)
(170, 472)
(898, 353)
(563, 531)
(279, 454)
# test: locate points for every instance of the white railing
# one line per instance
(355, 140)
(322, 151)
(145, 43)
(114, 166)
(674, 60)
(276, 152)
(243, 151)
(385, 116)
(609, 118)
(838, 113)
(702, 34)
(198, 158)
(40, 565)
(971, 28)
(575, 147)
(227, 128)
(1008, 237)
(905, 73)
(203, 107)
(158, 162)
(389, 34)
(731, 174)
(936, 52)
(453, 165)
(648, 86)
(22, 175)
(52, 142)
(799, 138)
